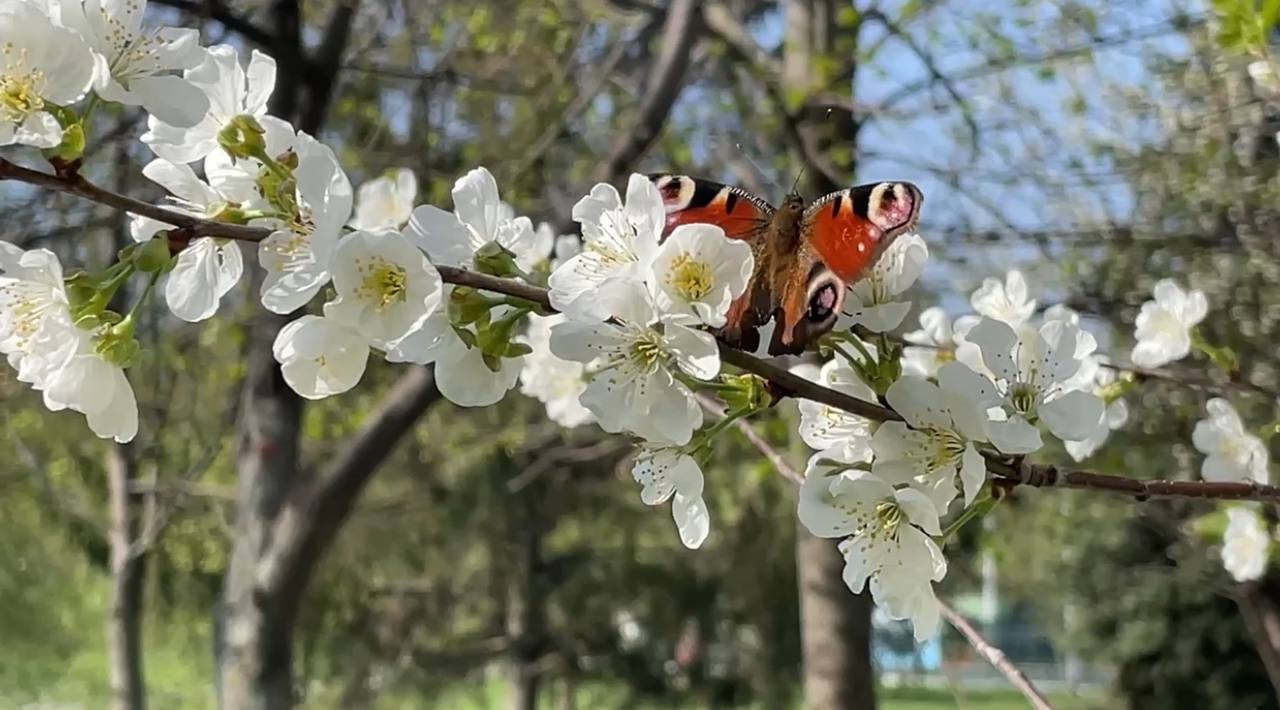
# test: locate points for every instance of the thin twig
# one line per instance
(764, 447)
(995, 657)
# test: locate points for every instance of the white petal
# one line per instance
(1014, 436)
(171, 99)
(973, 473)
(919, 402)
(1072, 416)
(997, 341)
(693, 520)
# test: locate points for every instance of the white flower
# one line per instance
(620, 243)
(1115, 416)
(386, 202)
(1006, 302)
(887, 541)
(666, 474)
(1029, 375)
(320, 357)
(633, 366)
(479, 217)
(1245, 544)
(938, 446)
(231, 90)
(52, 354)
(297, 256)
(94, 387)
(386, 287)
(841, 436)
(555, 382)
(209, 267)
(1164, 325)
(936, 341)
(873, 301)
(242, 180)
(32, 296)
(136, 66)
(41, 66)
(1233, 453)
(698, 272)
(464, 374)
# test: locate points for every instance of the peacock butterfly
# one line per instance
(805, 256)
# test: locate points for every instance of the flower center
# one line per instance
(646, 351)
(945, 448)
(383, 283)
(1023, 398)
(20, 86)
(690, 277)
(888, 517)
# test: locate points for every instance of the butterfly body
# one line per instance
(805, 255)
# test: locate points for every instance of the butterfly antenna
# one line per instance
(761, 173)
(796, 184)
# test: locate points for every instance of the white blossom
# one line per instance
(1245, 544)
(386, 202)
(1233, 454)
(138, 66)
(698, 272)
(1028, 381)
(665, 473)
(231, 90)
(555, 382)
(935, 445)
(934, 344)
(1114, 417)
(873, 301)
(479, 218)
(1005, 301)
(1164, 325)
(53, 355)
(633, 369)
(242, 180)
(386, 287)
(42, 66)
(620, 242)
(887, 539)
(464, 374)
(208, 268)
(89, 384)
(320, 357)
(298, 255)
(841, 436)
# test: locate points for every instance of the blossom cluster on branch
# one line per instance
(623, 338)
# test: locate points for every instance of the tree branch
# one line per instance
(218, 11)
(995, 657)
(784, 383)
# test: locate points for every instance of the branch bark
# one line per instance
(128, 576)
(1263, 622)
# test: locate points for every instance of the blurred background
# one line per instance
(426, 555)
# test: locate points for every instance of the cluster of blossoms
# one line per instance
(628, 345)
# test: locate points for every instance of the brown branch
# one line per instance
(73, 183)
(784, 383)
(219, 12)
(995, 657)
(1049, 476)
(666, 79)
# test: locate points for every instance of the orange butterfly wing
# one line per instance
(691, 200)
(843, 236)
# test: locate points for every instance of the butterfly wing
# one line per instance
(742, 216)
(843, 235)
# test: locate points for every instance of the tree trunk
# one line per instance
(835, 628)
(835, 625)
(526, 599)
(128, 575)
(253, 647)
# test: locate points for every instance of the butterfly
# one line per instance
(805, 255)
